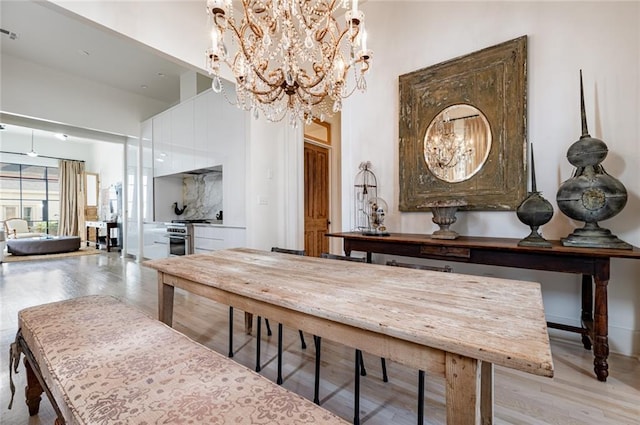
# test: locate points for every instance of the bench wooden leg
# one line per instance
(33, 390)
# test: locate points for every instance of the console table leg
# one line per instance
(600, 323)
(587, 308)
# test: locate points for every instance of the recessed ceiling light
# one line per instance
(144, 86)
(161, 75)
(83, 52)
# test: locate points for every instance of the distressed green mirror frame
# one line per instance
(492, 80)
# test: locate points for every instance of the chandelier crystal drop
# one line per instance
(290, 55)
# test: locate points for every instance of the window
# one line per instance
(31, 192)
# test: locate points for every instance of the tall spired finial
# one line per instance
(585, 130)
(590, 195)
(533, 172)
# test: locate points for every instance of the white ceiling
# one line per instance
(57, 39)
(48, 36)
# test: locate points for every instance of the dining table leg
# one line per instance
(486, 393)
(165, 301)
(463, 383)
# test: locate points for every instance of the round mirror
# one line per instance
(457, 143)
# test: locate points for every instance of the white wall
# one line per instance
(107, 160)
(275, 188)
(602, 38)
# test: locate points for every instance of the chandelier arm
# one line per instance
(336, 47)
(317, 99)
(257, 92)
(330, 9)
(240, 37)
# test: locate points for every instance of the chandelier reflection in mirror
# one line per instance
(290, 55)
(457, 143)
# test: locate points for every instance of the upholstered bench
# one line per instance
(103, 362)
(44, 245)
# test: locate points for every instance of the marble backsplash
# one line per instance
(202, 194)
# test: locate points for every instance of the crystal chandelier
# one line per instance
(290, 55)
(449, 146)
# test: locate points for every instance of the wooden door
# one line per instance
(316, 199)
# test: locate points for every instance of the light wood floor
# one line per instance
(573, 396)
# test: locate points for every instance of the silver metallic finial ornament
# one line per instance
(591, 195)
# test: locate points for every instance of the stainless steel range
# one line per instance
(180, 234)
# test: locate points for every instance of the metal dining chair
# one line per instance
(280, 329)
(421, 374)
(359, 360)
(363, 371)
(258, 366)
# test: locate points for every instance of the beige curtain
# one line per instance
(475, 128)
(72, 198)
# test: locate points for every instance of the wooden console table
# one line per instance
(101, 225)
(592, 263)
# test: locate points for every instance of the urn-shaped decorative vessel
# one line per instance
(444, 215)
(591, 195)
(534, 211)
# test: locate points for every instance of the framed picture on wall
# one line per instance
(462, 130)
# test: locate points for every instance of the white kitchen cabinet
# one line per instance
(162, 149)
(235, 237)
(182, 137)
(213, 238)
(206, 123)
(155, 242)
(203, 132)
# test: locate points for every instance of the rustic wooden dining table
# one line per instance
(449, 325)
